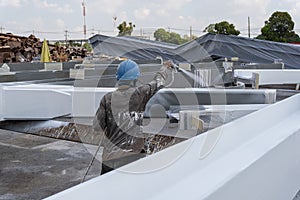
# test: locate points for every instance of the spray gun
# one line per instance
(175, 67)
(170, 63)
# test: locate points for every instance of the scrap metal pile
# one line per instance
(15, 48)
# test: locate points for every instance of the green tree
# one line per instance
(124, 29)
(279, 28)
(223, 27)
(74, 44)
(210, 29)
(175, 38)
(162, 35)
(171, 37)
(87, 46)
(57, 44)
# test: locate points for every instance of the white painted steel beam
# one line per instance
(85, 101)
(228, 108)
(254, 157)
(49, 101)
(33, 103)
(268, 76)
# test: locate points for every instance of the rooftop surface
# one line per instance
(35, 167)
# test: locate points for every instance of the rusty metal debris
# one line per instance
(156, 143)
(73, 132)
(85, 134)
(15, 48)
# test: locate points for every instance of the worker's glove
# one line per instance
(169, 64)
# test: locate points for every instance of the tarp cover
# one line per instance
(207, 47)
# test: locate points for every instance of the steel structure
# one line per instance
(270, 76)
(253, 157)
(38, 101)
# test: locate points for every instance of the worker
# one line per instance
(120, 114)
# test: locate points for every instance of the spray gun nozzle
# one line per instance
(176, 68)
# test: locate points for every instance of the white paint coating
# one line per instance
(268, 76)
(34, 103)
(255, 157)
(49, 101)
(34, 100)
(1, 104)
(85, 101)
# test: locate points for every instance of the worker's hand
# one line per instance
(169, 64)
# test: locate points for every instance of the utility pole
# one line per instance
(249, 34)
(84, 21)
(191, 33)
(93, 31)
(141, 32)
(66, 37)
(1, 29)
(114, 24)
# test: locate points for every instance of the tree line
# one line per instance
(279, 28)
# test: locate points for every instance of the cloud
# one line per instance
(253, 6)
(166, 8)
(162, 12)
(123, 16)
(142, 13)
(295, 10)
(11, 3)
(179, 14)
(45, 4)
(36, 23)
(78, 29)
(60, 23)
(174, 5)
(107, 6)
(296, 16)
(290, 1)
(66, 8)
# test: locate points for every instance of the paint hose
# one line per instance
(175, 69)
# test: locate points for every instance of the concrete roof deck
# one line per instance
(35, 167)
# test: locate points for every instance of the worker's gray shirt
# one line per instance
(120, 113)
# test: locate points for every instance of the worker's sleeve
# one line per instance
(99, 122)
(159, 80)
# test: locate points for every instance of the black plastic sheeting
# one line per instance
(206, 48)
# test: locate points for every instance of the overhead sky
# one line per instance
(50, 18)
